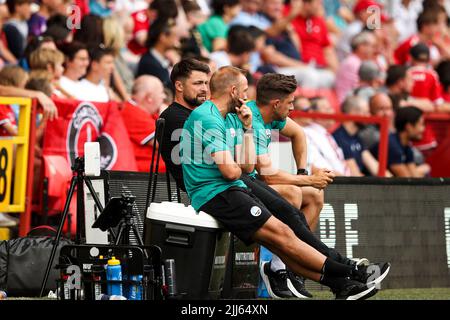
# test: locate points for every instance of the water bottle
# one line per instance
(171, 281)
(135, 290)
(114, 272)
(97, 271)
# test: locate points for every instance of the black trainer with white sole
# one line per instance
(276, 282)
(296, 285)
(372, 274)
(355, 290)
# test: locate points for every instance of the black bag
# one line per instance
(23, 262)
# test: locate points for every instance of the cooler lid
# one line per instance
(178, 213)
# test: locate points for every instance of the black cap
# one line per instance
(420, 52)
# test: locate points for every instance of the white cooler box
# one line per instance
(196, 241)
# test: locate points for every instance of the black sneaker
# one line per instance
(372, 274)
(354, 290)
(276, 282)
(296, 285)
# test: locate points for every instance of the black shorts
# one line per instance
(239, 211)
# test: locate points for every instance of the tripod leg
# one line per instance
(140, 242)
(93, 193)
(119, 235)
(73, 184)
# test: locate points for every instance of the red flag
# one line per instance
(81, 122)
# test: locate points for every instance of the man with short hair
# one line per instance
(428, 27)
(379, 105)
(190, 79)
(212, 166)
(16, 28)
(358, 159)
(140, 114)
(274, 93)
(92, 87)
(370, 79)
(162, 37)
(185, 75)
(363, 48)
(410, 126)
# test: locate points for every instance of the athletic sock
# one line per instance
(334, 283)
(332, 268)
(276, 264)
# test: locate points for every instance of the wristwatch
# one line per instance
(302, 171)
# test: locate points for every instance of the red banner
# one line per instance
(81, 122)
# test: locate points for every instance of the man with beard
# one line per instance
(213, 161)
(358, 159)
(410, 125)
(190, 79)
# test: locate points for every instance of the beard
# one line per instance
(195, 101)
(233, 104)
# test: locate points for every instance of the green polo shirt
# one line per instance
(205, 133)
(212, 29)
(262, 131)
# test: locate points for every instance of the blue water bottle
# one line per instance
(114, 272)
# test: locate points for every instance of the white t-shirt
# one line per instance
(323, 151)
(90, 91)
(70, 86)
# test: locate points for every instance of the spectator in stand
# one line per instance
(192, 44)
(90, 32)
(16, 28)
(57, 29)
(426, 86)
(162, 38)
(410, 125)
(425, 80)
(443, 70)
(48, 64)
(254, 13)
(370, 79)
(317, 49)
(75, 67)
(364, 18)
(323, 151)
(363, 48)
(405, 13)
(399, 84)
(427, 26)
(442, 37)
(13, 76)
(240, 45)
(379, 105)
(38, 21)
(359, 160)
(5, 54)
(141, 113)
(143, 19)
(93, 87)
(35, 43)
(114, 38)
(214, 31)
(286, 40)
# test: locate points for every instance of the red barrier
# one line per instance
(383, 122)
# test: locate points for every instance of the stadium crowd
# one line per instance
(357, 57)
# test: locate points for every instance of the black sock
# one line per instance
(332, 282)
(332, 268)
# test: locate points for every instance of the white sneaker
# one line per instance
(7, 221)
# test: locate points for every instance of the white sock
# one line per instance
(276, 264)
